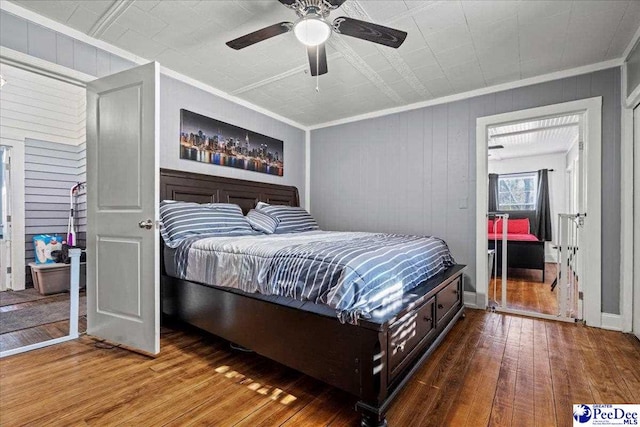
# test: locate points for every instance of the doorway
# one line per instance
(42, 158)
(588, 234)
(535, 189)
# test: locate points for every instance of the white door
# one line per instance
(123, 287)
(636, 222)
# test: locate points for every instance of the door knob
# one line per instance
(146, 224)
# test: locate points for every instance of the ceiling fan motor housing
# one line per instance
(320, 8)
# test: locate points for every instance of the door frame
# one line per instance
(591, 108)
(629, 249)
(7, 211)
(58, 72)
(18, 263)
(629, 310)
(17, 142)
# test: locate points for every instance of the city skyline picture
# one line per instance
(207, 140)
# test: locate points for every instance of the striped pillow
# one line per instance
(263, 222)
(292, 219)
(184, 219)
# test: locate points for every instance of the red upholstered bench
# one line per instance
(524, 250)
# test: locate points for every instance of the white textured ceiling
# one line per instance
(534, 138)
(452, 46)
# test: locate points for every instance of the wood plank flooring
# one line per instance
(23, 337)
(526, 292)
(492, 370)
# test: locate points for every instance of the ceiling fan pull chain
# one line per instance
(318, 69)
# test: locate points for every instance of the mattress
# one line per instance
(352, 273)
(515, 237)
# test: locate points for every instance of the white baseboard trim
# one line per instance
(470, 299)
(612, 322)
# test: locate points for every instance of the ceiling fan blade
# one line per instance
(317, 60)
(369, 31)
(335, 3)
(260, 35)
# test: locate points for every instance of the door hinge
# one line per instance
(8, 270)
(581, 145)
(581, 296)
(8, 218)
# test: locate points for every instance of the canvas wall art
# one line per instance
(208, 140)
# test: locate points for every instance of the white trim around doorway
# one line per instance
(592, 110)
(627, 246)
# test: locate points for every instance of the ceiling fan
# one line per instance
(313, 30)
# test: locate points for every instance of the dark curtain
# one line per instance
(543, 207)
(493, 192)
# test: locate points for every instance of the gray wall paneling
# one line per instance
(51, 169)
(27, 37)
(415, 172)
(175, 95)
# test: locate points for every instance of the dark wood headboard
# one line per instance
(199, 188)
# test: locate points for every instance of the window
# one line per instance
(517, 192)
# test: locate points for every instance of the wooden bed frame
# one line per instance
(372, 360)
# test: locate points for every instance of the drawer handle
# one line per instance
(400, 347)
(440, 306)
(455, 291)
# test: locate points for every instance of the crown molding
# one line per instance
(61, 28)
(44, 68)
(477, 92)
(68, 31)
(347, 53)
(631, 44)
(217, 92)
(109, 17)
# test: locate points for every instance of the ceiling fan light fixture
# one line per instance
(312, 30)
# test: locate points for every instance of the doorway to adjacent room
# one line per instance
(535, 188)
(538, 176)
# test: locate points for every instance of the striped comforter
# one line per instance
(354, 273)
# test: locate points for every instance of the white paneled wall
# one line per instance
(40, 107)
(36, 107)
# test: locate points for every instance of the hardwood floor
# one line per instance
(492, 369)
(526, 292)
(44, 332)
(37, 334)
